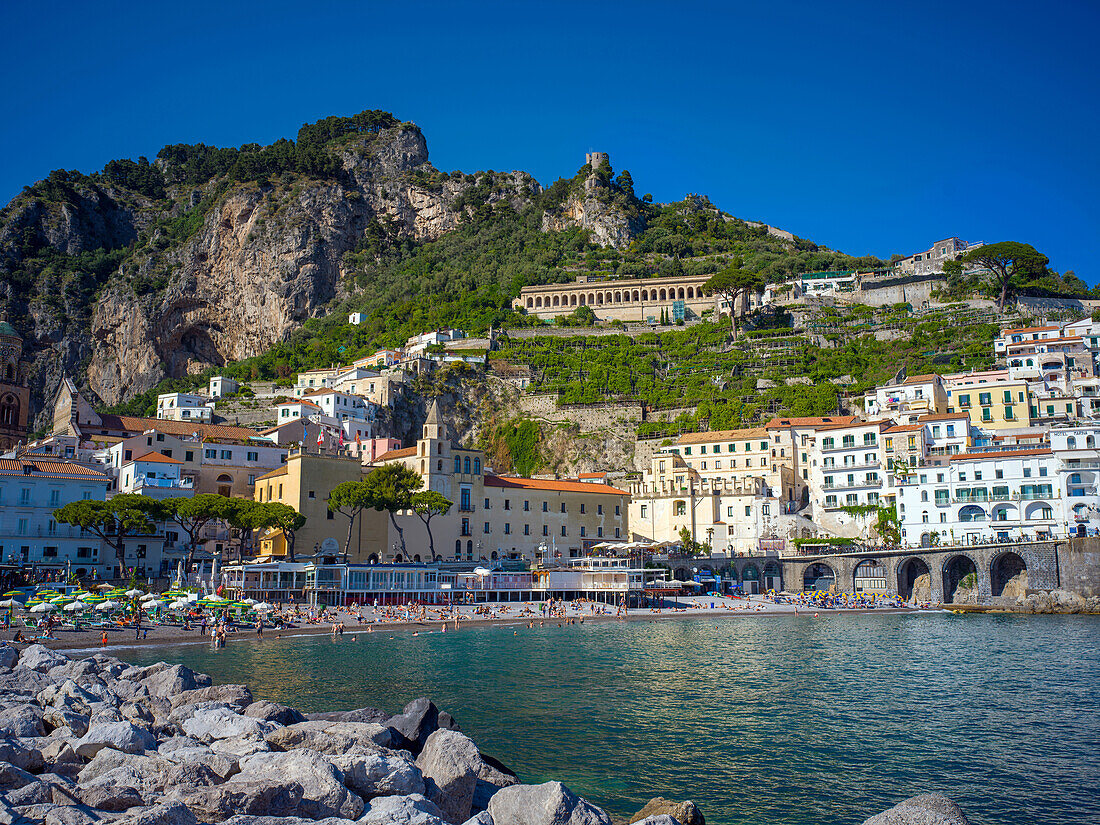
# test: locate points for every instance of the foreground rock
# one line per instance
(926, 809)
(686, 813)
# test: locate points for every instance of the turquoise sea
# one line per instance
(762, 720)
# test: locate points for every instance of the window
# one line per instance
(227, 454)
(582, 509)
(55, 498)
(964, 400)
(617, 510)
(507, 504)
(599, 532)
(486, 530)
(680, 508)
(599, 509)
(546, 507)
(477, 466)
(526, 506)
(507, 528)
(644, 510)
(458, 464)
(545, 530)
(687, 450)
(312, 494)
(22, 529)
(827, 443)
(189, 455)
(563, 532)
(748, 509)
(563, 506)
(998, 473)
(985, 399)
(849, 441)
(582, 531)
(329, 515)
(868, 439)
(527, 529)
(830, 501)
(251, 479)
(206, 454)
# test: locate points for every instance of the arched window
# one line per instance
(466, 465)
(458, 548)
(662, 295)
(924, 516)
(924, 495)
(681, 293)
(538, 302)
(9, 410)
(439, 465)
(555, 300)
(1030, 362)
(635, 295)
(458, 464)
(1075, 478)
(477, 466)
(573, 301)
(584, 300)
(691, 292)
(1090, 442)
(530, 303)
(9, 373)
(469, 547)
(1071, 442)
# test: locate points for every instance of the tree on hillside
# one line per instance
(112, 521)
(392, 487)
(193, 514)
(731, 283)
(427, 505)
(1009, 263)
(350, 499)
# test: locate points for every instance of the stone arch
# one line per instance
(591, 299)
(416, 558)
(398, 559)
(573, 300)
(557, 300)
(1038, 511)
(372, 558)
(1004, 568)
(956, 570)
(584, 300)
(608, 298)
(618, 298)
(1003, 512)
(869, 576)
(530, 303)
(662, 295)
(680, 294)
(971, 512)
(909, 573)
(538, 302)
(818, 576)
(636, 295)
(599, 299)
(691, 292)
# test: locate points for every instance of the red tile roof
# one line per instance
(1000, 454)
(133, 425)
(390, 455)
(904, 428)
(812, 421)
(156, 458)
(563, 486)
(61, 469)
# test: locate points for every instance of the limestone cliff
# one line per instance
(208, 273)
(606, 210)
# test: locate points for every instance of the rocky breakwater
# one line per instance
(97, 740)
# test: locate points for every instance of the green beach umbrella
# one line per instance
(61, 600)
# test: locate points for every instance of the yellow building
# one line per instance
(992, 399)
(304, 483)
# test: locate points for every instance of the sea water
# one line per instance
(758, 719)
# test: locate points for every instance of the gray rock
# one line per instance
(239, 747)
(418, 721)
(192, 774)
(238, 697)
(211, 724)
(926, 809)
(22, 719)
(108, 759)
(482, 818)
(491, 777)
(63, 718)
(71, 815)
(659, 819)
(18, 754)
(401, 810)
(33, 793)
(220, 802)
(324, 793)
(357, 715)
(61, 758)
(12, 777)
(329, 737)
(372, 773)
(122, 736)
(221, 765)
(118, 789)
(8, 655)
(286, 820)
(174, 680)
(170, 813)
(550, 803)
(450, 760)
(22, 680)
(41, 658)
(274, 712)
(138, 674)
(686, 812)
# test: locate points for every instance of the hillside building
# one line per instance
(15, 395)
(625, 299)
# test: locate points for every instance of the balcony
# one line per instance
(466, 508)
(853, 485)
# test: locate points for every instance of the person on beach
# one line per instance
(104, 639)
(260, 628)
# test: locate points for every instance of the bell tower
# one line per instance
(15, 396)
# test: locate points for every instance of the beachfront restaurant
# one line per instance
(370, 584)
(482, 585)
(273, 581)
(603, 579)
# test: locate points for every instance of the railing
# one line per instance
(855, 484)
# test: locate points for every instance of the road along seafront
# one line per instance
(96, 740)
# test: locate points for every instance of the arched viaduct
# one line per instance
(894, 571)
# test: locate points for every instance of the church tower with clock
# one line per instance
(15, 396)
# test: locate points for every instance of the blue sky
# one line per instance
(868, 127)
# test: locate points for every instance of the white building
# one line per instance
(155, 475)
(989, 494)
(356, 318)
(30, 491)
(419, 343)
(342, 405)
(933, 259)
(846, 475)
(181, 406)
(908, 399)
(220, 386)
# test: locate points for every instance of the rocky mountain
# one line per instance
(123, 288)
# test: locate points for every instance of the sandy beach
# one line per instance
(508, 613)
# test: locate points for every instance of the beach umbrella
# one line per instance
(61, 601)
(148, 597)
(262, 606)
(178, 605)
(13, 594)
(248, 601)
(90, 598)
(43, 607)
(135, 592)
(102, 587)
(154, 605)
(11, 603)
(107, 605)
(72, 607)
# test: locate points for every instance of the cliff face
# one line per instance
(259, 259)
(596, 209)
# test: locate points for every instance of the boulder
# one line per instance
(221, 765)
(491, 777)
(329, 737)
(238, 697)
(324, 793)
(23, 681)
(22, 719)
(217, 803)
(64, 718)
(214, 723)
(926, 809)
(108, 759)
(122, 736)
(8, 655)
(174, 680)
(41, 658)
(17, 753)
(415, 724)
(450, 761)
(274, 712)
(659, 819)
(1065, 601)
(239, 747)
(286, 820)
(413, 809)
(34, 793)
(550, 803)
(372, 773)
(12, 777)
(138, 674)
(61, 758)
(482, 818)
(357, 715)
(686, 812)
(170, 813)
(117, 790)
(71, 815)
